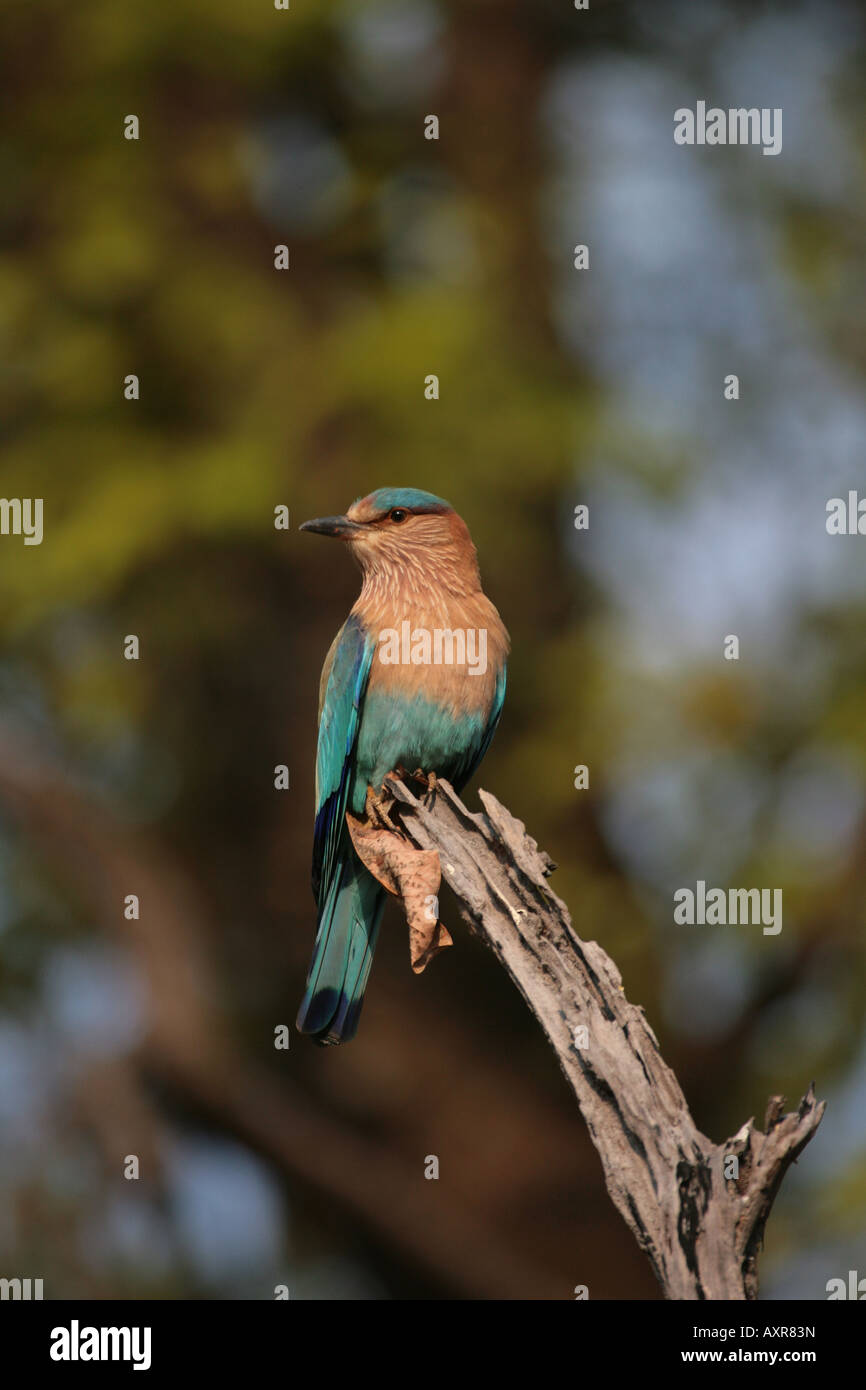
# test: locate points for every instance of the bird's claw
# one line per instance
(377, 807)
(427, 779)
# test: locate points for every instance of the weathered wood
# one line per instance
(701, 1230)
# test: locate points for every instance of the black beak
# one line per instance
(339, 526)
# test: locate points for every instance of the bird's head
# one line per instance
(401, 528)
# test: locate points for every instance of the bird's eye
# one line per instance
(398, 514)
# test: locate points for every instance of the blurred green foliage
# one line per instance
(305, 388)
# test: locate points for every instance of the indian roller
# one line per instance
(394, 695)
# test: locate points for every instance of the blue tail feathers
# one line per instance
(346, 935)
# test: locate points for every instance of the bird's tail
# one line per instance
(345, 940)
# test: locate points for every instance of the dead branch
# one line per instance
(698, 1216)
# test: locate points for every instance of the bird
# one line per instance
(387, 703)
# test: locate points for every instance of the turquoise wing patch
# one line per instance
(335, 761)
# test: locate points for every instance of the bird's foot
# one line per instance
(427, 779)
(377, 807)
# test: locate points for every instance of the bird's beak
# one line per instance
(339, 526)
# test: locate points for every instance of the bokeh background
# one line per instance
(305, 388)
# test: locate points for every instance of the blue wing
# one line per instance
(476, 756)
(349, 900)
(344, 680)
(495, 712)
